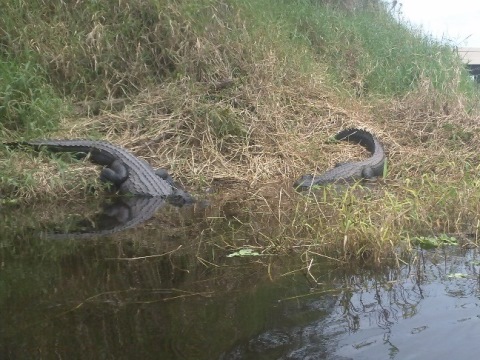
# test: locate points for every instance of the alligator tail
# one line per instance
(15, 144)
(357, 136)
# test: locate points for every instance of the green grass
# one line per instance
(104, 49)
(373, 223)
(111, 49)
(367, 50)
(28, 104)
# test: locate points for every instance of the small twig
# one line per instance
(309, 294)
(145, 257)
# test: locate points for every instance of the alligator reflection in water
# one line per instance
(123, 213)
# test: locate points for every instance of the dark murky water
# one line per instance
(153, 293)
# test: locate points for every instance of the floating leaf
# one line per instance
(457, 276)
(244, 252)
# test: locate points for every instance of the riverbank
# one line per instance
(240, 99)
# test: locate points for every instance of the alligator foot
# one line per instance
(115, 173)
(163, 173)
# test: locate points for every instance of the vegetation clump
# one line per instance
(242, 97)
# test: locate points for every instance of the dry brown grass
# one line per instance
(250, 134)
(258, 134)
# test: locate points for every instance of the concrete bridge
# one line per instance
(471, 57)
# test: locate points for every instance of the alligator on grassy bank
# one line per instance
(129, 174)
(350, 171)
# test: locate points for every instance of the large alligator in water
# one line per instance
(129, 174)
(350, 171)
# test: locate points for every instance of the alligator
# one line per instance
(350, 171)
(128, 174)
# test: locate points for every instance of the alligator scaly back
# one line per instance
(128, 173)
(350, 171)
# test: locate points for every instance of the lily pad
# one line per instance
(457, 276)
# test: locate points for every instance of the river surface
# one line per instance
(154, 293)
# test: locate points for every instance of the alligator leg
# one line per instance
(115, 173)
(163, 173)
(368, 173)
